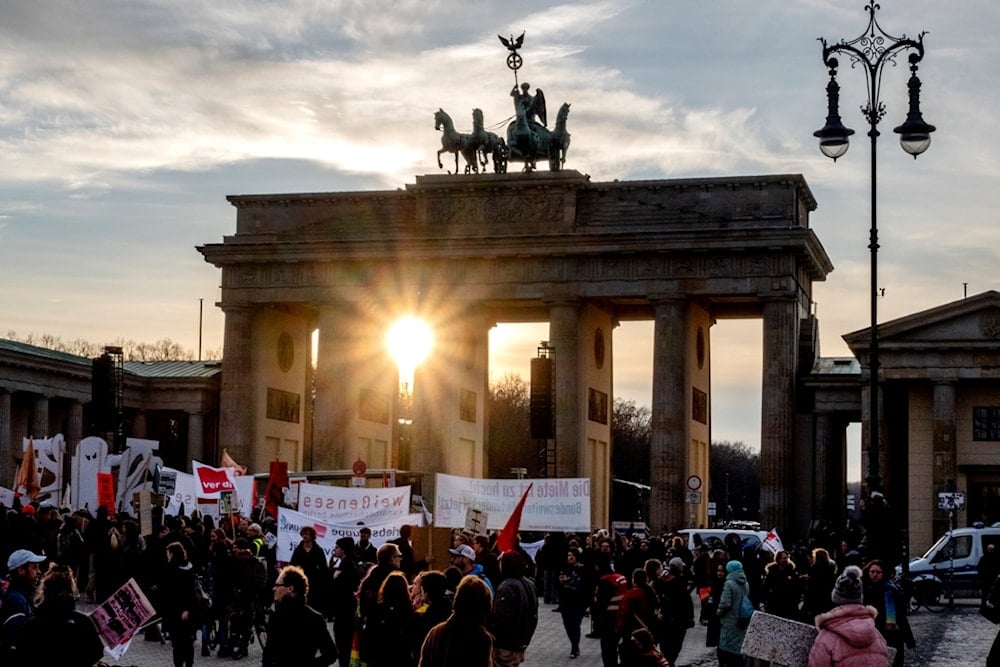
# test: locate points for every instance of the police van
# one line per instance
(955, 557)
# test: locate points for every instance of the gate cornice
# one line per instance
(517, 237)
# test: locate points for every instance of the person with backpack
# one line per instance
(58, 634)
(732, 631)
(514, 616)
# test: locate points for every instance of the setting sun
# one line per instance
(409, 341)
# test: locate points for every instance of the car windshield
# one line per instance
(934, 547)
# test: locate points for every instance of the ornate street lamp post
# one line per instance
(871, 52)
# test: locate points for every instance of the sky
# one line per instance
(123, 126)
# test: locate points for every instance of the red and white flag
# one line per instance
(210, 482)
(772, 542)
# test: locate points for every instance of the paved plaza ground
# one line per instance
(952, 638)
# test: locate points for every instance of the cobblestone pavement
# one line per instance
(952, 638)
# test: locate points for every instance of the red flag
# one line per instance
(507, 538)
(28, 481)
(277, 480)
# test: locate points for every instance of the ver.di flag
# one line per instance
(772, 542)
(210, 481)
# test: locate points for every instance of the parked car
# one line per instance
(713, 537)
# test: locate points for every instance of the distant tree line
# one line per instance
(734, 468)
(161, 350)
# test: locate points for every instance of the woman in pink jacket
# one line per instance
(847, 634)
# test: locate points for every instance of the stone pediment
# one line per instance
(973, 322)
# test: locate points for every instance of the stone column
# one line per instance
(564, 319)
(74, 426)
(40, 418)
(196, 436)
(332, 418)
(669, 415)
(777, 460)
(237, 429)
(828, 481)
(6, 448)
(945, 471)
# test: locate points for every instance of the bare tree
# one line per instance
(509, 443)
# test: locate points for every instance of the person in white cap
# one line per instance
(464, 558)
(22, 568)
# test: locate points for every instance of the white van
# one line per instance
(959, 552)
(714, 537)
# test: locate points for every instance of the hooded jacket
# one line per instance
(848, 638)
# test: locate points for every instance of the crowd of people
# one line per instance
(638, 595)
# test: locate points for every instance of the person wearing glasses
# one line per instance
(297, 634)
(890, 603)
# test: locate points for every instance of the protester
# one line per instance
(611, 588)
(180, 606)
(297, 634)
(574, 597)
(890, 603)
(366, 553)
(644, 650)
(676, 608)
(436, 608)
(782, 590)
(387, 639)
(988, 569)
(17, 604)
(464, 558)
(514, 617)
(991, 605)
(639, 609)
(462, 640)
(820, 579)
(310, 557)
(711, 603)
(731, 634)
(388, 558)
(343, 596)
(847, 633)
(58, 634)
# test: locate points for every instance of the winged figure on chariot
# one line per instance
(528, 139)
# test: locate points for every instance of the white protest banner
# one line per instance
(246, 489)
(185, 493)
(339, 504)
(290, 523)
(120, 616)
(212, 480)
(6, 497)
(553, 504)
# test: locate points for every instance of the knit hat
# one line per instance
(676, 564)
(848, 589)
(733, 565)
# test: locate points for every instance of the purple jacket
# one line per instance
(848, 638)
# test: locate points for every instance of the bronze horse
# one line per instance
(453, 141)
(529, 141)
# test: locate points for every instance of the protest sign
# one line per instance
(120, 616)
(290, 523)
(552, 504)
(339, 504)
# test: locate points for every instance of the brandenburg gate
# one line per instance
(468, 252)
